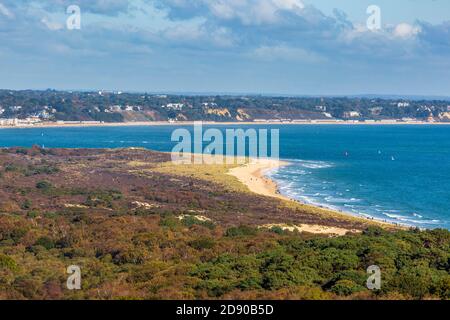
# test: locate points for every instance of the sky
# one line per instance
(289, 47)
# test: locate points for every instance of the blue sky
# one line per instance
(311, 47)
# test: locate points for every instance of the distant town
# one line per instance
(34, 108)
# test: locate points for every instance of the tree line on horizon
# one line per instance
(88, 106)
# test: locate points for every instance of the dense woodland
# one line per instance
(140, 228)
(90, 106)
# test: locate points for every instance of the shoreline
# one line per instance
(253, 175)
(190, 123)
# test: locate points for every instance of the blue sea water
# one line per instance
(398, 173)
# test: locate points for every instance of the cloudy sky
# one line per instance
(311, 47)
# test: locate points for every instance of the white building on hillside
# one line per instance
(9, 122)
(15, 108)
(174, 106)
(321, 108)
(352, 114)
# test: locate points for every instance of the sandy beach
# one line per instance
(253, 176)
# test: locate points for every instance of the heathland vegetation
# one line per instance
(142, 228)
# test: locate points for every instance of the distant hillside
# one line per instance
(124, 107)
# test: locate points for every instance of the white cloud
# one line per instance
(51, 25)
(5, 11)
(283, 52)
(222, 37)
(294, 5)
(198, 33)
(184, 32)
(405, 30)
(253, 11)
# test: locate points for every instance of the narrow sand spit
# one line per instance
(252, 175)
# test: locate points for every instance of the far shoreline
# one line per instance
(229, 123)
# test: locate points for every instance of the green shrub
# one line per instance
(7, 263)
(279, 270)
(241, 231)
(27, 204)
(22, 151)
(27, 286)
(16, 234)
(415, 281)
(346, 287)
(45, 242)
(33, 214)
(44, 169)
(443, 288)
(169, 223)
(277, 230)
(134, 255)
(43, 185)
(12, 168)
(103, 198)
(203, 243)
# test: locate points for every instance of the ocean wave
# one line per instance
(312, 164)
(316, 165)
(395, 216)
(423, 222)
(128, 141)
(340, 200)
(408, 219)
(293, 171)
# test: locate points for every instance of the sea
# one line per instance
(394, 173)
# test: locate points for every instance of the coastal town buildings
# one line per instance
(15, 108)
(321, 108)
(376, 111)
(9, 122)
(352, 114)
(115, 108)
(174, 106)
(19, 122)
(209, 105)
(444, 116)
